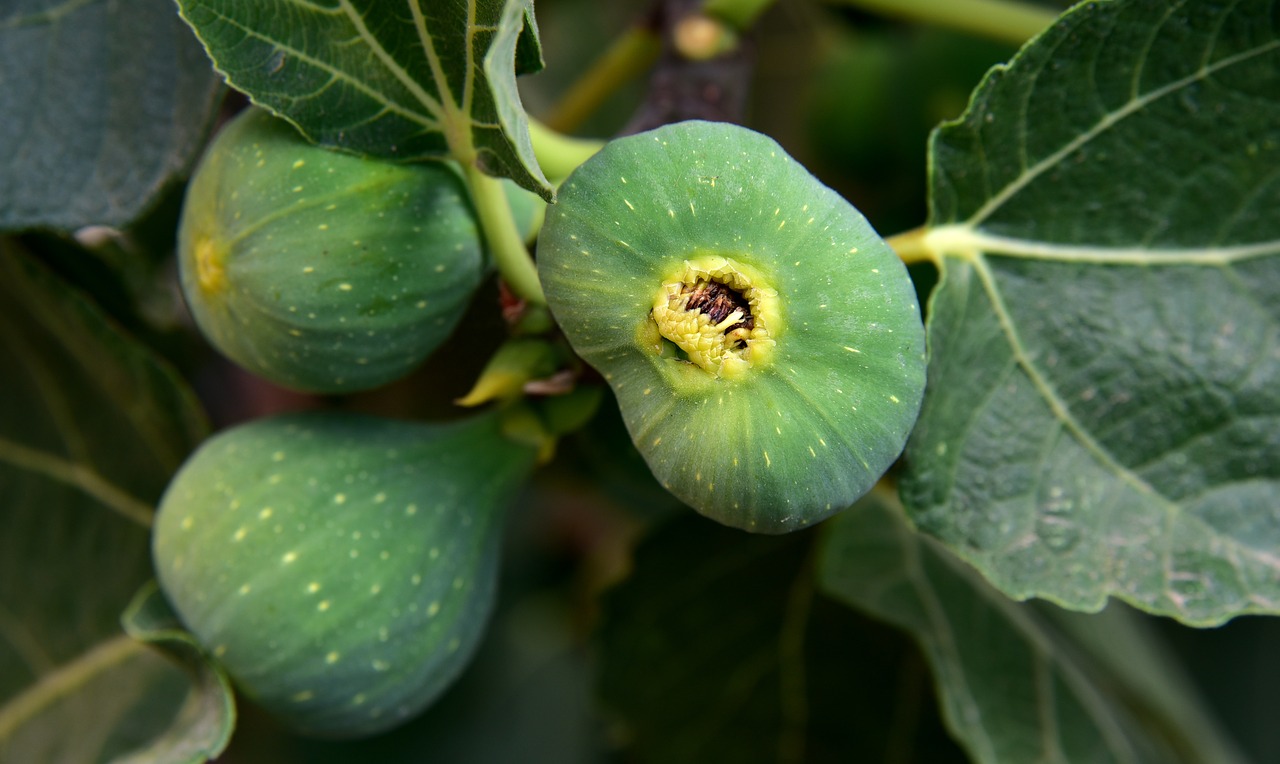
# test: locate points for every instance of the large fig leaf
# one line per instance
(103, 103)
(1019, 682)
(718, 648)
(407, 79)
(91, 427)
(1103, 407)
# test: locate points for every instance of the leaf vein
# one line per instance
(64, 680)
(460, 143)
(1107, 121)
(944, 641)
(970, 244)
(349, 79)
(388, 61)
(78, 476)
(1059, 409)
(1056, 404)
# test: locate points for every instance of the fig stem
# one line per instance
(1008, 21)
(630, 55)
(912, 247)
(503, 238)
(559, 154)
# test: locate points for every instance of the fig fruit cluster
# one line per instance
(763, 342)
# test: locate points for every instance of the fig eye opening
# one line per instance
(720, 303)
(719, 313)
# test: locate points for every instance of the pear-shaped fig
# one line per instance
(340, 567)
(319, 270)
(764, 343)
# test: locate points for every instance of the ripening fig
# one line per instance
(764, 343)
(319, 270)
(340, 567)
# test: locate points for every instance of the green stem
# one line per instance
(911, 246)
(629, 56)
(1005, 20)
(503, 237)
(559, 154)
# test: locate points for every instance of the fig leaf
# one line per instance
(104, 103)
(92, 424)
(1103, 416)
(433, 80)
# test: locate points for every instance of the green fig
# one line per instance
(319, 270)
(764, 343)
(340, 567)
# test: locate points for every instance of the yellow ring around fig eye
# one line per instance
(721, 313)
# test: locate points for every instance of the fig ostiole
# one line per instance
(323, 271)
(764, 343)
(340, 567)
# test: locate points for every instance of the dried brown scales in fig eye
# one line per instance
(719, 313)
(719, 302)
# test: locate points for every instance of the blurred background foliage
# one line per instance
(852, 96)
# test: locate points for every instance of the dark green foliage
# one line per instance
(1104, 408)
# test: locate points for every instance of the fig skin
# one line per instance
(323, 271)
(812, 399)
(340, 567)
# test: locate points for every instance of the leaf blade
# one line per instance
(1017, 681)
(87, 144)
(1109, 275)
(732, 655)
(91, 426)
(404, 81)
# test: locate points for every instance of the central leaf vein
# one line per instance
(455, 119)
(969, 243)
